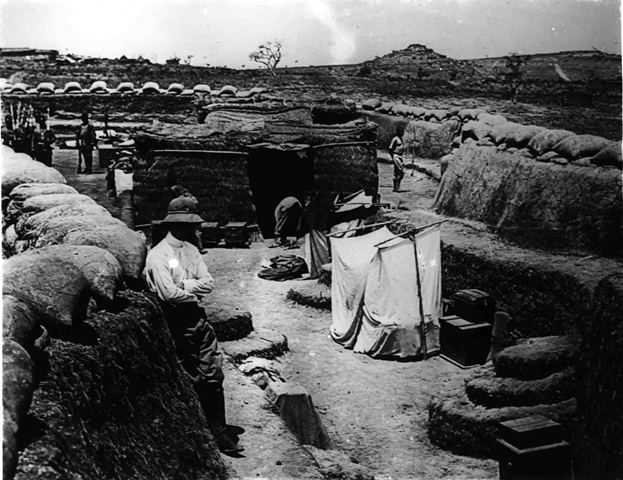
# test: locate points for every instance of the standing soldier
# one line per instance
(86, 142)
(42, 141)
(396, 148)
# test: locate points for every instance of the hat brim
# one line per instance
(183, 218)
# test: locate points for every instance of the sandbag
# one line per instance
(26, 226)
(19, 321)
(578, 146)
(386, 107)
(25, 191)
(476, 130)
(17, 388)
(175, 88)
(54, 289)
(490, 119)
(126, 245)
(401, 109)
(101, 269)
(45, 202)
(227, 90)
(514, 134)
(15, 173)
(609, 155)
(371, 104)
(417, 112)
(55, 230)
(437, 114)
(9, 238)
(544, 141)
(470, 113)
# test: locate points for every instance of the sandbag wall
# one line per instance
(80, 375)
(537, 201)
(218, 179)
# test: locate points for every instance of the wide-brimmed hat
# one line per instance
(182, 210)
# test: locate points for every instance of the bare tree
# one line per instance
(269, 55)
(515, 73)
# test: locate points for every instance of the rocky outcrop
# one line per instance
(541, 204)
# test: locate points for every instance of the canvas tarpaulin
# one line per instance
(351, 259)
(316, 252)
(376, 306)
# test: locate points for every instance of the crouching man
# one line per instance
(176, 273)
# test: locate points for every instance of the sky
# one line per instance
(313, 32)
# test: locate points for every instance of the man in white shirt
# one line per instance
(176, 273)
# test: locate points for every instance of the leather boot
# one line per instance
(212, 399)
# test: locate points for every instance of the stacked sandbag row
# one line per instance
(561, 147)
(63, 249)
(128, 88)
(539, 204)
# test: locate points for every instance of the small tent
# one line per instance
(386, 293)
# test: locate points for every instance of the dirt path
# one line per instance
(374, 410)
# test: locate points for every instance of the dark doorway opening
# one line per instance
(276, 172)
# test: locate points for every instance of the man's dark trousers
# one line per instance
(197, 351)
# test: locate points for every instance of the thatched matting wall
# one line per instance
(98, 103)
(600, 376)
(218, 180)
(539, 204)
(228, 114)
(235, 136)
(115, 403)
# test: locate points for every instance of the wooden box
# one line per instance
(533, 431)
(236, 234)
(211, 234)
(464, 342)
(473, 305)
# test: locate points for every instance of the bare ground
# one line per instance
(375, 411)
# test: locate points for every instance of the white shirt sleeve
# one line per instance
(166, 288)
(204, 283)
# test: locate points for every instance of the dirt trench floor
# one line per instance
(375, 411)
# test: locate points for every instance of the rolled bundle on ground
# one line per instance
(45, 202)
(579, 146)
(17, 388)
(544, 141)
(55, 230)
(16, 172)
(126, 245)
(20, 322)
(27, 226)
(101, 269)
(55, 289)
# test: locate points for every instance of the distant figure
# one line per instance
(42, 142)
(287, 220)
(86, 142)
(396, 148)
